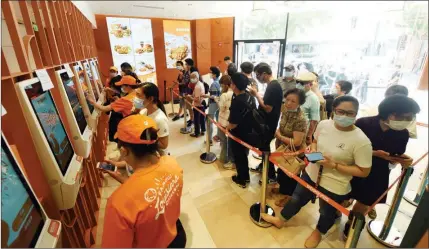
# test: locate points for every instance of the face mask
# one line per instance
(179, 67)
(194, 80)
(288, 74)
(299, 86)
(112, 75)
(398, 125)
(138, 103)
(344, 121)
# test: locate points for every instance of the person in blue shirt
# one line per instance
(214, 93)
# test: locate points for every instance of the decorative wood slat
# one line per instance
(46, 52)
(12, 26)
(55, 27)
(56, 59)
(65, 30)
(4, 68)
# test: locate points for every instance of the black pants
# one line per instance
(199, 121)
(115, 118)
(287, 184)
(180, 240)
(241, 161)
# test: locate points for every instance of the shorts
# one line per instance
(182, 102)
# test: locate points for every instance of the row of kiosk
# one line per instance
(24, 222)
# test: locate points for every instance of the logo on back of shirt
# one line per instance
(341, 146)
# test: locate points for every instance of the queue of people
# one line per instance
(356, 151)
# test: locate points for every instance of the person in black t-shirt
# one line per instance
(239, 119)
(182, 89)
(270, 105)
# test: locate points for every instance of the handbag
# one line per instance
(292, 163)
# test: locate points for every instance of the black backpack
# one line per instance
(206, 88)
(261, 134)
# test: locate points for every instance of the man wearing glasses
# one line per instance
(311, 107)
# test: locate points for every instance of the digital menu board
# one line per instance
(74, 101)
(21, 216)
(131, 41)
(47, 115)
(177, 38)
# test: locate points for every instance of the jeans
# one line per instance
(213, 113)
(301, 196)
(226, 154)
(241, 161)
(180, 240)
(199, 121)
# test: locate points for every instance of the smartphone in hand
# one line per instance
(314, 157)
(107, 166)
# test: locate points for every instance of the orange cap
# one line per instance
(113, 68)
(127, 80)
(130, 129)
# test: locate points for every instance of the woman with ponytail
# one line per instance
(151, 106)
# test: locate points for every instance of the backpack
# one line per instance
(261, 134)
(206, 87)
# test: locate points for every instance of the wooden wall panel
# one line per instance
(203, 45)
(222, 40)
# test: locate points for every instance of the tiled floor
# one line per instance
(215, 212)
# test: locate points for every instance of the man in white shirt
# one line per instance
(311, 107)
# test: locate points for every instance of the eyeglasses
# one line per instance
(341, 112)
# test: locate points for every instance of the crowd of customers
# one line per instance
(358, 153)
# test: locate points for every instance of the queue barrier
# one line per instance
(358, 220)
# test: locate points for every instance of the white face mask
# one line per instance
(113, 75)
(194, 80)
(398, 125)
(288, 74)
(179, 67)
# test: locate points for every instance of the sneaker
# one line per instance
(270, 181)
(229, 166)
(372, 214)
(176, 118)
(194, 135)
(242, 184)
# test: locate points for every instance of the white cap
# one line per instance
(306, 76)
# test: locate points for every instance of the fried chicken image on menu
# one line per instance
(179, 53)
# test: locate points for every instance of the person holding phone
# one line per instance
(347, 152)
(291, 132)
(134, 216)
(389, 137)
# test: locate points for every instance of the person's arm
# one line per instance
(118, 164)
(118, 231)
(231, 126)
(97, 106)
(314, 119)
(254, 93)
(361, 168)
(297, 138)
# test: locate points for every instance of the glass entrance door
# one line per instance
(260, 51)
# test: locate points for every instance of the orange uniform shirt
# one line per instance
(143, 211)
(124, 105)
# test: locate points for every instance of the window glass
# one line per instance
(371, 50)
(260, 26)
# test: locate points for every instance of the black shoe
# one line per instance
(346, 230)
(242, 184)
(182, 116)
(189, 123)
(176, 118)
(269, 182)
(203, 133)
(194, 135)
(257, 170)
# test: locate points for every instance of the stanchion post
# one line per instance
(414, 197)
(358, 222)
(384, 231)
(262, 207)
(172, 114)
(208, 157)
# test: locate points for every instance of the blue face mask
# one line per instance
(138, 103)
(344, 121)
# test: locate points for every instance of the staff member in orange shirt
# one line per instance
(144, 211)
(124, 105)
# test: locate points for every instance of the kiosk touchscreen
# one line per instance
(82, 87)
(23, 221)
(91, 82)
(61, 165)
(74, 112)
(97, 79)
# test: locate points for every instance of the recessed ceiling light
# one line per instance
(189, 4)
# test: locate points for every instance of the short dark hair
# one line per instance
(298, 92)
(263, 68)
(126, 65)
(396, 89)
(345, 86)
(189, 62)
(232, 69)
(215, 71)
(346, 98)
(246, 67)
(240, 81)
(397, 104)
(179, 62)
(226, 58)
